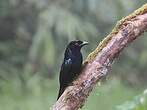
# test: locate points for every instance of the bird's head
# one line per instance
(77, 44)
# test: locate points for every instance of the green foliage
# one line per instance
(43, 48)
(109, 94)
(138, 103)
(40, 93)
(66, 24)
(34, 34)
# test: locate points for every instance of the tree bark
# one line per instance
(100, 60)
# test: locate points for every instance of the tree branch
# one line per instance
(99, 61)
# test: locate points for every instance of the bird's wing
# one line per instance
(65, 69)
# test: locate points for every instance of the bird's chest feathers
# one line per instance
(76, 59)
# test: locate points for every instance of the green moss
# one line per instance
(118, 26)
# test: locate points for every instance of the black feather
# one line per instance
(71, 65)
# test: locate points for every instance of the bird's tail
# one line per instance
(60, 92)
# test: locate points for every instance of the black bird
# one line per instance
(71, 65)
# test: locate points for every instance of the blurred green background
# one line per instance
(33, 36)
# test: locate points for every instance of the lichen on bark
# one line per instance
(120, 24)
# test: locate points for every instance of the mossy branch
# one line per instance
(100, 60)
(120, 24)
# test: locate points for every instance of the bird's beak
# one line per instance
(84, 43)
